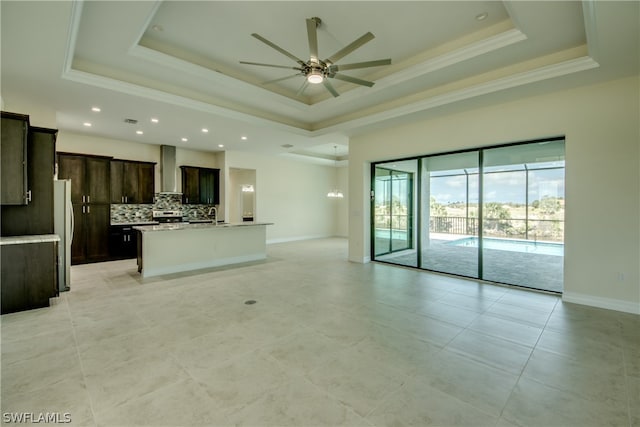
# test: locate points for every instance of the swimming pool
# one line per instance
(527, 246)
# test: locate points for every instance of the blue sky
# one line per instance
(507, 187)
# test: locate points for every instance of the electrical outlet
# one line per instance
(620, 276)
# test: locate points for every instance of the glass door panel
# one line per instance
(523, 215)
(393, 213)
(449, 233)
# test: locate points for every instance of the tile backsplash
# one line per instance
(131, 213)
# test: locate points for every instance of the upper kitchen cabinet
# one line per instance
(132, 182)
(89, 175)
(14, 130)
(37, 216)
(200, 185)
(209, 191)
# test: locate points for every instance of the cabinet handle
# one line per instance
(83, 208)
(88, 199)
(88, 209)
(28, 196)
(83, 196)
(121, 199)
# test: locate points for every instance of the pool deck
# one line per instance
(532, 270)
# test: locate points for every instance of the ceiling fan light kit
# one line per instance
(316, 71)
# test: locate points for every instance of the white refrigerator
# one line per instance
(63, 227)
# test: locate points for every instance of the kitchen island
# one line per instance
(178, 247)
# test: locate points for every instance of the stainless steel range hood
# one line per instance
(168, 168)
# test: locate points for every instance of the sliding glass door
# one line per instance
(523, 215)
(393, 215)
(494, 213)
(450, 213)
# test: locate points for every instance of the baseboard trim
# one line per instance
(601, 302)
(297, 238)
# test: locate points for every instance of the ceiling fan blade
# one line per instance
(271, 65)
(352, 80)
(280, 79)
(312, 33)
(303, 87)
(349, 48)
(330, 88)
(355, 65)
(278, 48)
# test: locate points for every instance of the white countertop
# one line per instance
(34, 238)
(188, 226)
(135, 223)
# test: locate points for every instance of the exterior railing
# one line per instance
(531, 229)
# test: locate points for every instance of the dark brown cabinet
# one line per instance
(29, 275)
(37, 216)
(90, 196)
(13, 150)
(132, 182)
(200, 185)
(122, 242)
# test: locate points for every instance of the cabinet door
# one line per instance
(98, 185)
(96, 225)
(13, 151)
(209, 179)
(131, 182)
(146, 182)
(117, 181)
(190, 185)
(28, 276)
(79, 239)
(37, 216)
(73, 168)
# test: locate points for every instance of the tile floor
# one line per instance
(328, 343)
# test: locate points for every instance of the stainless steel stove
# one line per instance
(167, 216)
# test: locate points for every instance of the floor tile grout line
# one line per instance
(524, 366)
(82, 370)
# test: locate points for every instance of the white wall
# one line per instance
(291, 194)
(602, 129)
(342, 205)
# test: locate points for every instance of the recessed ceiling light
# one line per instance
(95, 109)
(154, 120)
(205, 130)
(482, 16)
(244, 138)
(221, 145)
(87, 124)
(139, 132)
(157, 27)
(183, 139)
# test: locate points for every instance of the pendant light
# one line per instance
(335, 193)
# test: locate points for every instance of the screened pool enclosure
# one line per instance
(493, 213)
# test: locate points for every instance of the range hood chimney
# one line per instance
(168, 168)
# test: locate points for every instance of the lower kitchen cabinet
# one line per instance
(29, 273)
(90, 233)
(122, 242)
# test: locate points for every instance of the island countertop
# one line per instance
(198, 225)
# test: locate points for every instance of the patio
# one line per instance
(530, 270)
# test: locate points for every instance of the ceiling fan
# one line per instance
(318, 71)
